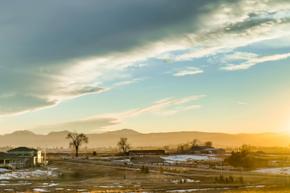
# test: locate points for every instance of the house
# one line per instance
(151, 159)
(206, 150)
(22, 157)
(146, 152)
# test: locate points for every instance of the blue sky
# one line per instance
(152, 66)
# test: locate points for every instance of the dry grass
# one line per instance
(260, 191)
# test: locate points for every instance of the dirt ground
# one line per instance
(78, 176)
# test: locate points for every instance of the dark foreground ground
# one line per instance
(91, 176)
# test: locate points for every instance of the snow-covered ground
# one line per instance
(283, 171)
(177, 181)
(40, 190)
(184, 158)
(17, 183)
(3, 170)
(29, 174)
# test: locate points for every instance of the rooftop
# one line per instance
(22, 149)
(4, 155)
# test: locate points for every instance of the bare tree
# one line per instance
(76, 141)
(195, 143)
(123, 145)
(182, 148)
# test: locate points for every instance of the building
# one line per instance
(206, 150)
(22, 157)
(146, 156)
(146, 152)
(151, 159)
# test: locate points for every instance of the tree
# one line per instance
(195, 143)
(245, 159)
(208, 144)
(245, 149)
(240, 158)
(76, 141)
(123, 145)
(182, 148)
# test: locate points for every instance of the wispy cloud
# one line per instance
(254, 60)
(198, 53)
(126, 82)
(235, 25)
(163, 107)
(174, 111)
(83, 125)
(242, 103)
(239, 56)
(189, 71)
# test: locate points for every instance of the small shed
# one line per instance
(146, 152)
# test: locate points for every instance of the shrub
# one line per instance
(144, 170)
(231, 179)
(241, 180)
(226, 180)
(245, 159)
(161, 170)
(221, 179)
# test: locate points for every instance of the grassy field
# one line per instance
(96, 177)
(286, 190)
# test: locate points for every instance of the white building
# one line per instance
(22, 157)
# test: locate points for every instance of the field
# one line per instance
(111, 174)
(261, 191)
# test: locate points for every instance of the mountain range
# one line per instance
(136, 139)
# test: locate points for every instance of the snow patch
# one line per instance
(282, 171)
(28, 174)
(3, 170)
(40, 190)
(184, 158)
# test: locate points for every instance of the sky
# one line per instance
(152, 66)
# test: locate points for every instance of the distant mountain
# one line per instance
(123, 132)
(21, 133)
(110, 139)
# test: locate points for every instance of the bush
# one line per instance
(144, 170)
(226, 180)
(245, 159)
(161, 170)
(231, 179)
(241, 179)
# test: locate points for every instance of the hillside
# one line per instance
(109, 139)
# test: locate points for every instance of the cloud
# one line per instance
(126, 82)
(54, 52)
(163, 107)
(189, 71)
(171, 112)
(83, 125)
(239, 56)
(51, 51)
(237, 24)
(10, 104)
(199, 53)
(254, 60)
(242, 103)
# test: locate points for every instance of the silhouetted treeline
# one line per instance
(246, 159)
